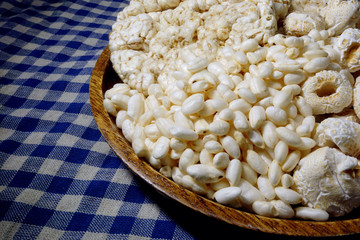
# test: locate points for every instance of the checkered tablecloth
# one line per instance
(58, 177)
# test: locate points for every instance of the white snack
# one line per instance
(241, 122)
(204, 173)
(276, 115)
(187, 159)
(282, 99)
(248, 173)
(287, 180)
(127, 128)
(317, 64)
(274, 173)
(283, 210)
(348, 45)
(217, 98)
(233, 172)
(341, 133)
(340, 15)
(256, 162)
(264, 208)
(183, 133)
(221, 160)
(356, 97)
(247, 95)
(163, 124)
(311, 213)
(299, 24)
(328, 92)
(138, 142)
(219, 127)
(288, 195)
(231, 146)
(266, 187)
(213, 146)
(193, 104)
(257, 117)
(291, 161)
(329, 180)
(249, 194)
(229, 196)
(161, 147)
(258, 87)
(269, 134)
(289, 137)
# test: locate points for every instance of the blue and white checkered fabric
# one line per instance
(58, 177)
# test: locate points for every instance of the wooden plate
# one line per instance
(103, 78)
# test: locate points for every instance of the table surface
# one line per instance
(58, 177)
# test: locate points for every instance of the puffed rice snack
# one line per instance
(250, 103)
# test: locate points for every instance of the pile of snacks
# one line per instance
(251, 103)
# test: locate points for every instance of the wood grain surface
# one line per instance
(103, 78)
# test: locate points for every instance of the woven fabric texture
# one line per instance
(58, 177)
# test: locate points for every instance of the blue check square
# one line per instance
(22, 179)
(9, 146)
(60, 185)
(163, 229)
(80, 222)
(38, 216)
(15, 102)
(134, 195)
(97, 188)
(42, 151)
(122, 225)
(28, 124)
(77, 155)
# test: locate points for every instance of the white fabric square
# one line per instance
(41, 62)
(101, 147)
(20, 112)
(109, 207)
(71, 15)
(67, 140)
(80, 79)
(31, 46)
(5, 133)
(35, 138)
(68, 97)
(35, 19)
(14, 162)
(94, 236)
(54, 77)
(16, 58)
(122, 176)
(86, 172)
(50, 166)
(52, 115)
(149, 211)
(2, 188)
(8, 229)
(69, 203)
(50, 233)
(9, 89)
(135, 237)
(68, 37)
(29, 196)
(7, 40)
(68, 64)
(37, 94)
(83, 120)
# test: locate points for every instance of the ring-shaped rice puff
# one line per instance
(328, 92)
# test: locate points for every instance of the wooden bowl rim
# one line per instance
(166, 186)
